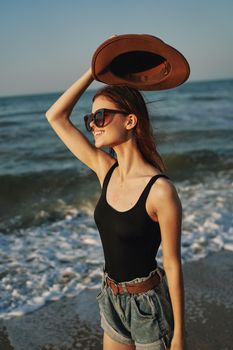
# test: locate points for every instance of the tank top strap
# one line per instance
(149, 185)
(108, 176)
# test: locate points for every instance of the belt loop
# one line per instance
(124, 287)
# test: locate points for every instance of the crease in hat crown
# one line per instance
(141, 61)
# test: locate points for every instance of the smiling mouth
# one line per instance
(97, 133)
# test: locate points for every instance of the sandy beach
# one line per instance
(73, 323)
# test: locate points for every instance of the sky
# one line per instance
(46, 45)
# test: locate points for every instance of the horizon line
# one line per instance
(94, 89)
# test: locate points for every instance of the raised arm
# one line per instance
(58, 116)
(63, 107)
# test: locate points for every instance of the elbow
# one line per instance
(50, 116)
(54, 117)
(47, 115)
(172, 265)
(172, 261)
(167, 266)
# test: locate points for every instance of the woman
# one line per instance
(140, 306)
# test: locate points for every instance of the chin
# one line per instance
(99, 144)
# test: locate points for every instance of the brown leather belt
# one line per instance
(134, 288)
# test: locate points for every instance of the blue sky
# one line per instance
(46, 45)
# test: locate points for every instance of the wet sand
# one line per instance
(73, 323)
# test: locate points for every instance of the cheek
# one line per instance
(118, 127)
(117, 130)
(117, 137)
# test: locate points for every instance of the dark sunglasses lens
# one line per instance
(99, 118)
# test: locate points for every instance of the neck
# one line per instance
(130, 160)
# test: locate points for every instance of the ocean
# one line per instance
(49, 244)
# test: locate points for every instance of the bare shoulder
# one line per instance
(163, 187)
(163, 192)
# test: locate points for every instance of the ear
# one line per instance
(131, 121)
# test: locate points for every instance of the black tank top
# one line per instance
(130, 238)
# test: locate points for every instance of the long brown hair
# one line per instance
(131, 101)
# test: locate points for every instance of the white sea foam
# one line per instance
(207, 216)
(45, 263)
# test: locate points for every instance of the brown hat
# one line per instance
(140, 61)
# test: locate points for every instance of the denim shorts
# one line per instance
(144, 319)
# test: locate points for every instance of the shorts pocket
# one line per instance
(165, 314)
(144, 306)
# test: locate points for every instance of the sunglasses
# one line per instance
(101, 117)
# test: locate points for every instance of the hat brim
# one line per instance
(140, 61)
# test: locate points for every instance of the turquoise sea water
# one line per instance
(49, 245)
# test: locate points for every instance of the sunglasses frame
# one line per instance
(88, 118)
